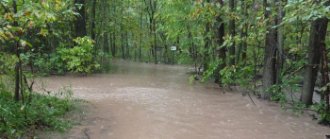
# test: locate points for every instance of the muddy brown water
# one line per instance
(145, 101)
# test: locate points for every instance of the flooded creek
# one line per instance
(146, 101)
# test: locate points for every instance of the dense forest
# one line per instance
(275, 49)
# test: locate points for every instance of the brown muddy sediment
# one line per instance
(145, 101)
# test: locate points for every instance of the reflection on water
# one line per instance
(145, 101)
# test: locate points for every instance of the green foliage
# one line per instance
(41, 27)
(40, 112)
(241, 75)
(306, 10)
(7, 63)
(228, 75)
(210, 71)
(285, 90)
(298, 107)
(324, 113)
(277, 94)
(30, 32)
(286, 93)
(80, 58)
(280, 94)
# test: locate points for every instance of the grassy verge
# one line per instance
(37, 112)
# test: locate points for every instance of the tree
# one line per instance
(270, 60)
(324, 68)
(242, 50)
(207, 40)
(232, 30)
(18, 66)
(80, 24)
(93, 18)
(221, 51)
(316, 41)
(151, 10)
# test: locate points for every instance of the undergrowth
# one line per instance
(38, 112)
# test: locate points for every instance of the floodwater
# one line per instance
(146, 101)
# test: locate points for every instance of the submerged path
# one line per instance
(144, 101)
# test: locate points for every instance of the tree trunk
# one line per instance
(244, 32)
(113, 44)
(325, 76)
(317, 39)
(155, 41)
(280, 41)
(151, 10)
(270, 69)
(18, 64)
(206, 57)
(140, 37)
(93, 34)
(207, 39)
(221, 51)
(80, 24)
(106, 47)
(232, 30)
(122, 38)
(114, 33)
(128, 55)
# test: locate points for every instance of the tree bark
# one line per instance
(207, 39)
(114, 33)
(317, 39)
(232, 30)
(244, 33)
(80, 23)
(271, 41)
(151, 10)
(325, 76)
(206, 55)
(93, 34)
(280, 41)
(221, 51)
(18, 64)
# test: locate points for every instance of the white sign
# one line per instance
(173, 48)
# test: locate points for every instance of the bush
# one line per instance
(41, 111)
(80, 58)
(241, 75)
(324, 114)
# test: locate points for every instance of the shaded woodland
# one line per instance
(276, 50)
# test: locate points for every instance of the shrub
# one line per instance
(324, 114)
(80, 58)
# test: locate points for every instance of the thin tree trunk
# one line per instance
(232, 30)
(325, 76)
(128, 55)
(114, 33)
(18, 64)
(206, 57)
(93, 34)
(113, 44)
(106, 47)
(221, 51)
(244, 33)
(122, 38)
(151, 10)
(140, 37)
(280, 42)
(80, 24)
